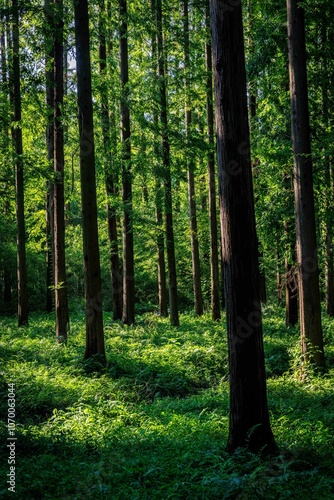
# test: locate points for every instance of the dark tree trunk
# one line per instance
(22, 287)
(196, 269)
(249, 417)
(279, 275)
(109, 145)
(162, 281)
(93, 293)
(308, 271)
(214, 259)
(329, 211)
(61, 303)
(170, 245)
(128, 252)
(291, 294)
(49, 75)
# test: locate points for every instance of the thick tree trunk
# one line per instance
(308, 271)
(109, 145)
(93, 293)
(128, 251)
(196, 268)
(170, 245)
(61, 303)
(22, 286)
(249, 417)
(214, 257)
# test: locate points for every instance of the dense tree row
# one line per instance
(108, 138)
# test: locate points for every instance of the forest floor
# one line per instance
(153, 423)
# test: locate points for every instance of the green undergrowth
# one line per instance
(153, 422)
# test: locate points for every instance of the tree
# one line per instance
(168, 205)
(128, 251)
(249, 418)
(162, 282)
(109, 147)
(196, 269)
(49, 86)
(308, 271)
(22, 286)
(93, 294)
(214, 260)
(61, 303)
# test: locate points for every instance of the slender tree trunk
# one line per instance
(128, 251)
(109, 146)
(214, 258)
(291, 294)
(278, 274)
(162, 281)
(7, 281)
(49, 85)
(170, 244)
(329, 215)
(93, 293)
(249, 417)
(19, 177)
(308, 271)
(61, 303)
(196, 268)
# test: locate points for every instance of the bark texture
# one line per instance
(308, 271)
(249, 418)
(93, 294)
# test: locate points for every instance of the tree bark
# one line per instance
(195, 260)
(162, 280)
(249, 417)
(214, 258)
(170, 244)
(22, 286)
(308, 271)
(128, 251)
(329, 198)
(109, 146)
(93, 293)
(61, 302)
(49, 85)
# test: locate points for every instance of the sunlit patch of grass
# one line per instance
(153, 422)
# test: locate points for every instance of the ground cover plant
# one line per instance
(153, 423)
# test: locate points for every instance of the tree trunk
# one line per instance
(93, 294)
(50, 88)
(22, 287)
(329, 215)
(109, 145)
(291, 294)
(308, 271)
(128, 251)
(196, 269)
(162, 281)
(61, 303)
(170, 245)
(214, 259)
(249, 417)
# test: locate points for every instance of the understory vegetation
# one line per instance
(153, 423)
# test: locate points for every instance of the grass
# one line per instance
(153, 424)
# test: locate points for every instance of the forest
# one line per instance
(167, 249)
